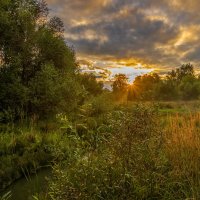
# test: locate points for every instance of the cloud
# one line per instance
(156, 33)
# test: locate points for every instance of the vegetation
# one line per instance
(132, 158)
(179, 84)
(35, 63)
(100, 144)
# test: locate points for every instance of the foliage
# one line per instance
(6, 196)
(120, 83)
(135, 161)
(109, 173)
(128, 155)
(98, 149)
(179, 84)
(183, 150)
(143, 87)
(90, 84)
(38, 69)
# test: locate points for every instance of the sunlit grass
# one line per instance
(183, 150)
(134, 151)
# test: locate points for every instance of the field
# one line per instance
(131, 151)
(136, 140)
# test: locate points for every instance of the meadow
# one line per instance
(135, 151)
(139, 141)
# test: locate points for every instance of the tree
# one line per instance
(143, 87)
(57, 26)
(35, 61)
(189, 88)
(178, 84)
(185, 70)
(90, 84)
(178, 74)
(166, 90)
(182, 83)
(120, 83)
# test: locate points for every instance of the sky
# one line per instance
(156, 35)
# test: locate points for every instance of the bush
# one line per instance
(128, 165)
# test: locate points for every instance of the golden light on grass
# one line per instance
(183, 149)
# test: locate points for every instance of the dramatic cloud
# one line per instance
(159, 34)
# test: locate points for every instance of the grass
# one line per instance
(183, 150)
(132, 152)
(139, 159)
(23, 152)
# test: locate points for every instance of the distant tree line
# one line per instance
(179, 84)
(39, 74)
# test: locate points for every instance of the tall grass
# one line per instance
(183, 150)
(131, 155)
(137, 160)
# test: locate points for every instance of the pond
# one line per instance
(25, 188)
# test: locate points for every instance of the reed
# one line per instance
(183, 150)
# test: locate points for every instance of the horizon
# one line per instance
(99, 99)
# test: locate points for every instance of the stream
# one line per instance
(24, 189)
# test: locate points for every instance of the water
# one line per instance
(24, 189)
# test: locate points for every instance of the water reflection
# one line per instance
(24, 189)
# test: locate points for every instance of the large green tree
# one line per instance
(35, 62)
